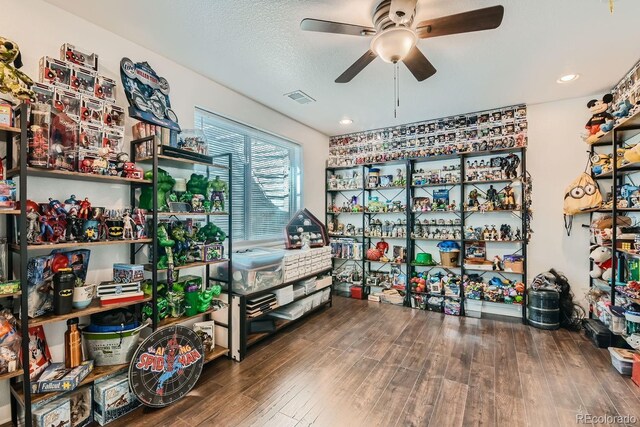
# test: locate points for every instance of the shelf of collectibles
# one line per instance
(614, 295)
(459, 187)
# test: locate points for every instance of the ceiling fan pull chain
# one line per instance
(395, 92)
(398, 90)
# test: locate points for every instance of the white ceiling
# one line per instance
(257, 49)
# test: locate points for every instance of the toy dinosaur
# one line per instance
(12, 80)
(165, 184)
(211, 233)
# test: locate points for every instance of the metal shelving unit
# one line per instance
(413, 244)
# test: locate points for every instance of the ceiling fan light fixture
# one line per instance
(394, 44)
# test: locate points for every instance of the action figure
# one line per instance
(74, 226)
(85, 208)
(509, 201)
(492, 197)
(56, 206)
(33, 231)
(473, 198)
(46, 227)
(219, 190)
(129, 223)
(140, 220)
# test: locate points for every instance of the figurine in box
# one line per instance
(39, 130)
(63, 142)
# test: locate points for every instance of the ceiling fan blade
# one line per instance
(357, 66)
(321, 26)
(419, 65)
(466, 22)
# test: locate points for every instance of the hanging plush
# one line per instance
(601, 120)
(581, 196)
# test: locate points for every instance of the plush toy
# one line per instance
(198, 184)
(620, 152)
(600, 117)
(601, 257)
(12, 80)
(211, 233)
(623, 109)
(632, 155)
(165, 184)
(601, 163)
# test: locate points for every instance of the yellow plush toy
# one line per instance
(12, 80)
(632, 155)
(620, 153)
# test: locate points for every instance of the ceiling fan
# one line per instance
(394, 39)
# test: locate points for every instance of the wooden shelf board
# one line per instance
(10, 129)
(492, 181)
(160, 214)
(169, 321)
(97, 373)
(393, 187)
(92, 309)
(216, 353)
(335, 190)
(494, 211)
(359, 236)
(337, 213)
(10, 375)
(435, 266)
(386, 213)
(435, 240)
(178, 162)
(81, 244)
(12, 295)
(493, 241)
(9, 211)
(489, 270)
(52, 173)
(148, 267)
(445, 184)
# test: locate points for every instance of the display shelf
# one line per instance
(92, 309)
(493, 152)
(9, 211)
(283, 323)
(177, 162)
(624, 131)
(446, 184)
(627, 252)
(97, 373)
(52, 246)
(189, 214)
(425, 239)
(216, 353)
(12, 295)
(9, 129)
(413, 264)
(470, 267)
(263, 315)
(492, 181)
(9, 375)
(386, 213)
(384, 262)
(457, 211)
(343, 213)
(358, 236)
(335, 168)
(285, 284)
(392, 187)
(169, 321)
(149, 267)
(335, 190)
(346, 259)
(618, 209)
(494, 211)
(77, 176)
(385, 237)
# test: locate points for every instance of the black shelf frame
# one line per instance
(410, 190)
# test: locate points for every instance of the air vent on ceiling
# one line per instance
(300, 97)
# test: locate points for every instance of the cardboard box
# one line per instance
(55, 72)
(90, 139)
(207, 333)
(6, 114)
(83, 80)
(44, 93)
(58, 378)
(112, 288)
(113, 139)
(91, 110)
(56, 413)
(105, 89)
(81, 406)
(128, 273)
(113, 399)
(68, 102)
(113, 117)
(63, 141)
(76, 56)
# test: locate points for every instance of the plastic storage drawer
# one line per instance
(256, 269)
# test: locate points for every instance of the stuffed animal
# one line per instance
(198, 184)
(601, 163)
(624, 107)
(601, 257)
(632, 155)
(165, 184)
(12, 80)
(620, 152)
(599, 117)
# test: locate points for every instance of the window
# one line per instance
(266, 176)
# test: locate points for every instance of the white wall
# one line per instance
(555, 157)
(40, 28)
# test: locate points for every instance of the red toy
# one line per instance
(132, 171)
(85, 207)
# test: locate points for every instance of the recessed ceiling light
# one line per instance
(346, 122)
(568, 78)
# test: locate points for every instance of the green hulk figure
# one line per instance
(211, 233)
(219, 190)
(165, 184)
(198, 184)
(165, 261)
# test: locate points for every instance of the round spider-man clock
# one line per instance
(166, 366)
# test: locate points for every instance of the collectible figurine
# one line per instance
(74, 227)
(140, 220)
(85, 208)
(128, 226)
(46, 228)
(509, 201)
(492, 197)
(56, 206)
(33, 231)
(473, 199)
(497, 264)
(101, 164)
(219, 190)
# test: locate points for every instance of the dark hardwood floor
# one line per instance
(370, 364)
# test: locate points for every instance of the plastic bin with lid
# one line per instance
(256, 269)
(290, 312)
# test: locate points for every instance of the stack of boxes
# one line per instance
(125, 287)
(298, 264)
(75, 121)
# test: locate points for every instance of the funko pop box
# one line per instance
(80, 57)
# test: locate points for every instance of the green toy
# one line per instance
(219, 191)
(165, 261)
(211, 233)
(198, 184)
(186, 197)
(165, 184)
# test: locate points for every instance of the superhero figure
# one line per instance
(57, 207)
(171, 364)
(85, 207)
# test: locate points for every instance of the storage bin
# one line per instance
(317, 299)
(290, 312)
(633, 322)
(284, 295)
(622, 360)
(307, 303)
(325, 295)
(543, 309)
(256, 269)
(298, 291)
(356, 292)
(514, 266)
(324, 282)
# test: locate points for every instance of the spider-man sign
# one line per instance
(166, 366)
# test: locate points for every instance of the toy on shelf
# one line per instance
(219, 191)
(602, 262)
(13, 81)
(601, 120)
(446, 175)
(305, 226)
(165, 184)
